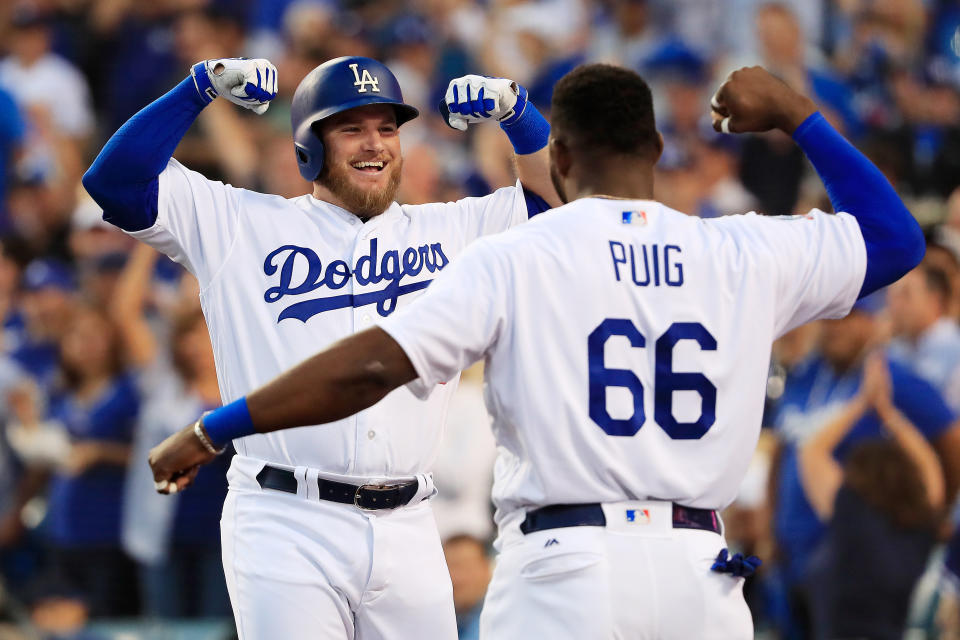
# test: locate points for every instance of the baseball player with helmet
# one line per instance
(327, 532)
(627, 348)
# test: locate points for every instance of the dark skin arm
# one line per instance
(349, 376)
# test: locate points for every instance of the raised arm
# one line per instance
(893, 239)
(471, 99)
(820, 474)
(124, 177)
(924, 457)
(127, 306)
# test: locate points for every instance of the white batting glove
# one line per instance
(248, 82)
(473, 99)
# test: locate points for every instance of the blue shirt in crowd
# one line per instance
(12, 129)
(813, 395)
(935, 357)
(84, 510)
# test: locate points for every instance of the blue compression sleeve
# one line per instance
(892, 236)
(529, 132)
(123, 178)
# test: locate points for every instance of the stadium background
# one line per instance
(103, 351)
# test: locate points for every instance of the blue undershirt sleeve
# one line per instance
(535, 204)
(893, 239)
(123, 179)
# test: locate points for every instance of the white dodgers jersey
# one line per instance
(627, 345)
(281, 279)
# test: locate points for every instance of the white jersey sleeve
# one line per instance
(480, 216)
(196, 220)
(455, 322)
(818, 262)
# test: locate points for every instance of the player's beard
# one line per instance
(363, 203)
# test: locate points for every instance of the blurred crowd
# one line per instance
(850, 499)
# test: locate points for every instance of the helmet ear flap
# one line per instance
(309, 150)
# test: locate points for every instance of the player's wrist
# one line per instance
(201, 82)
(796, 114)
(527, 129)
(201, 433)
(227, 423)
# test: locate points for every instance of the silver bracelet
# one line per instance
(204, 440)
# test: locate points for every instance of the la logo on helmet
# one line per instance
(364, 79)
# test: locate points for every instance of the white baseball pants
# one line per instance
(629, 580)
(301, 568)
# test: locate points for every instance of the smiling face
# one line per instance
(361, 169)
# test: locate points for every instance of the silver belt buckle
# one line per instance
(375, 487)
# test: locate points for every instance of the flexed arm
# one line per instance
(471, 99)
(123, 178)
(753, 100)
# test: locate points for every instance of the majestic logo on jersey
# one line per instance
(363, 78)
(301, 271)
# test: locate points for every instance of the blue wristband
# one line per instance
(529, 132)
(201, 81)
(229, 422)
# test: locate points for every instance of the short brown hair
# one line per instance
(885, 477)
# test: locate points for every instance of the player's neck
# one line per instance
(629, 185)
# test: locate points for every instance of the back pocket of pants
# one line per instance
(559, 564)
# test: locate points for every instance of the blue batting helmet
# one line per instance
(335, 86)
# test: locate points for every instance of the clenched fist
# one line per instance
(250, 83)
(751, 99)
(176, 461)
(472, 98)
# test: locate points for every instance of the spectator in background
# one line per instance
(47, 301)
(222, 146)
(12, 132)
(469, 563)
(96, 404)
(59, 612)
(814, 395)
(36, 76)
(176, 542)
(926, 340)
(680, 74)
(948, 610)
(12, 321)
(411, 41)
(719, 170)
(881, 508)
(626, 34)
(772, 166)
(784, 51)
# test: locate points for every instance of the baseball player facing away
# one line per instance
(626, 348)
(326, 531)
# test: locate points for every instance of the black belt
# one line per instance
(558, 516)
(366, 496)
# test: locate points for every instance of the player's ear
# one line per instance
(560, 157)
(658, 148)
